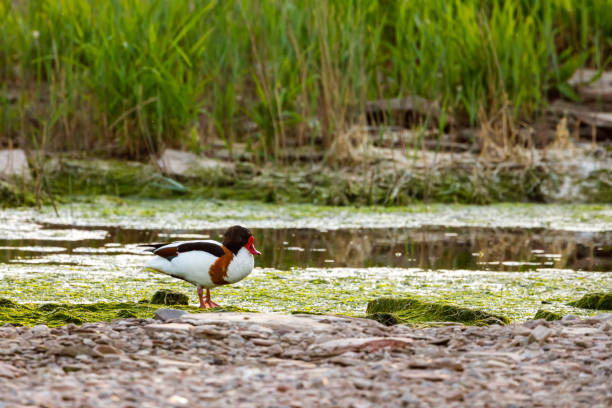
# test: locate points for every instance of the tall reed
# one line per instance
(132, 76)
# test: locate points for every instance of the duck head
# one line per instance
(237, 237)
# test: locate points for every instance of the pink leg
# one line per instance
(206, 303)
(200, 295)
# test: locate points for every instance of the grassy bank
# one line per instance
(130, 76)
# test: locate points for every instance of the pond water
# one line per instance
(507, 259)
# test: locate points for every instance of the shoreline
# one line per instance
(304, 360)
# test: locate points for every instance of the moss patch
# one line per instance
(7, 303)
(547, 315)
(168, 297)
(596, 301)
(407, 310)
(59, 314)
(12, 196)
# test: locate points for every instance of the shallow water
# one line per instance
(506, 259)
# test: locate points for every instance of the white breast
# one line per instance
(240, 266)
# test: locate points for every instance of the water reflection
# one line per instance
(428, 248)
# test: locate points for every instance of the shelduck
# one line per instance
(207, 263)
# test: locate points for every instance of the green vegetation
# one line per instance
(596, 301)
(130, 76)
(391, 311)
(58, 314)
(169, 297)
(309, 184)
(13, 196)
(547, 315)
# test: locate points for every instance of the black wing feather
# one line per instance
(152, 247)
(209, 247)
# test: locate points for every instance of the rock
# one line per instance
(579, 331)
(569, 317)
(600, 89)
(8, 371)
(165, 362)
(264, 342)
(408, 399)
(603, 316)
(168, 297)
(187, 164)
(107, 349)
(302, 323)
(40, 330)
(424, 375)
(546, 315)
(14, 163)
(597, 301)
(177, 400)
(362, 383)
(213, 332)
(168, 314)
(521, 331)
(540, 334)
(436, 364)
(275, 350)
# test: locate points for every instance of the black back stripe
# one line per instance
(209, 247)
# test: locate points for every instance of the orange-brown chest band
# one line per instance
(218, 270)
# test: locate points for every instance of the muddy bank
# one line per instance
(302, 361)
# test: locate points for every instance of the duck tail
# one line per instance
(162, 265)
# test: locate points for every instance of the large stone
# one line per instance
(168, 314)
(307, 323)
(599, 89)
(540, 334)
(14, 163)
(186, 164)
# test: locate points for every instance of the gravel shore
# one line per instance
(269, 360)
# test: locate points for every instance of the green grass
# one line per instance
(130, 76)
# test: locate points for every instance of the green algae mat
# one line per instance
(316, 259)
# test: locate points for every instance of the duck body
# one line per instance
(207, 263)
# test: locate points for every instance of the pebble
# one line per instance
(540, 334)
(223, 359)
